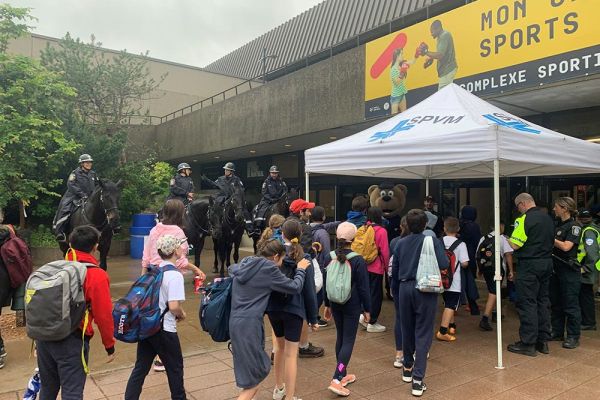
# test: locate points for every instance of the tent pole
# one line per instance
(306, 185)
(498, 274)
(426, 186)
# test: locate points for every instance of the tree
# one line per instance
(111, 87)
(33, 145)
(13, 24)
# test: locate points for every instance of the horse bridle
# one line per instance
(206, 231)
(106, 211)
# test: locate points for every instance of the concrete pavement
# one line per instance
(463, 369)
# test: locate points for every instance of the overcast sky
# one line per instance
(194, 32)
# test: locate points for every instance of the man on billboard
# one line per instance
(444, 54)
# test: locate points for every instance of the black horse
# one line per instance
(201, 221)
(281, 207)
(232, 229)
(101, 210)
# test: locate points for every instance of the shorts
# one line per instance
(286, 325)
(447, 79)
(451, 300)
(488, 275)
(397, 99)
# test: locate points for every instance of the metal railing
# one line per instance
(422, 14)
(233, 91)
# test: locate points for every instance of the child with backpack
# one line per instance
(486, 264)
(165, 343)
(171, 223)
(272, 231)
(346, 299)
(288, 313)
(320, 234)
(253, 281)
(458, 258)
(377, 267)
(416, 308)
(62, 363)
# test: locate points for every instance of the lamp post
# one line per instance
(263, 59)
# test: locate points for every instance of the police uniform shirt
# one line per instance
(567, 231)
(81, 183)
(534, 232)
(181, 185)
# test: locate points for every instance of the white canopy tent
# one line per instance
(456, 135)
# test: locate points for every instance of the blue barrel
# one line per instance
(139, 231)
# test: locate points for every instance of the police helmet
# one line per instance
(183, 165)
(85, 158)
(274, 169)
(230, 166)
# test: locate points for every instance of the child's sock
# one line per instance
(443, 330)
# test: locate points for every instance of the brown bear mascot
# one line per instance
(391, 199)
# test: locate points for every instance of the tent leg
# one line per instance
(426, 186)
(498, 273)
(306, 185)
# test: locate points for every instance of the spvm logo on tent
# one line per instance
(512, 123)
(407, 124)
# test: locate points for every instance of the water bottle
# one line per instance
(33, 387)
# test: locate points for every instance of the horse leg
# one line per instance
(199, 246)
(223, 255)
(216, 244)
(236, 248)
(104, 247)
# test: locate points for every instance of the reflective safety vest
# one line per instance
(581, 253)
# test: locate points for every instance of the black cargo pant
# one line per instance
(533, 302)
(166, 345)
(565, 285)
(61, 367)
(588, 304)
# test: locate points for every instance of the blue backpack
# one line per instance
(137, 316)
(215, 309)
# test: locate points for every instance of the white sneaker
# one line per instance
(375, 328)
(398, 362)
(279, 394)
(361, 321)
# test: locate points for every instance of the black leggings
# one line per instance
(376, 289)
(346, 326)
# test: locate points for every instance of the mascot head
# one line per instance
(389, 197)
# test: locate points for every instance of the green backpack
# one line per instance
(339, 279)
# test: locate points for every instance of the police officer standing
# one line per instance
(566, 279)
(273, 190)
(588, 256)
(533, 241)
(181, 186)
(225, 183)
(80, 185)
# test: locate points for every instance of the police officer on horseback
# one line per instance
(181, 186)
(225, 183)
(80, 185)
(274, 189)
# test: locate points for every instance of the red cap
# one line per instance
(300, 204)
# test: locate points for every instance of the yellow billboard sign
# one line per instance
(488, 46)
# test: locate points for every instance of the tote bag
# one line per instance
(429, 279)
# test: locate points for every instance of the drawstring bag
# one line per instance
(429, 279)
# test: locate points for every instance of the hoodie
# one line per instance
(470, 233)
(96, 289)
(254, 278)
(357, 218)
(151, 256)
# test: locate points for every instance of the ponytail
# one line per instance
(292, 230)
(341, 245)
(266, 235)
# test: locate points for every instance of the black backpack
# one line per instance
(485, 257)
